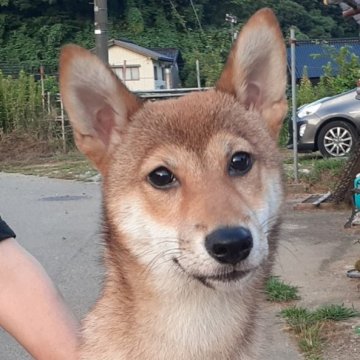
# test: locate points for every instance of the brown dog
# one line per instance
(192, 191)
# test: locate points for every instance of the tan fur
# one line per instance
(151, 306)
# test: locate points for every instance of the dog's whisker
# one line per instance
(157, 257)
(145, 252)
(161, 262)
(268, 223)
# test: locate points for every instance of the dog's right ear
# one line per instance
(98, 104)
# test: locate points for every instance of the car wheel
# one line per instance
(336, 139)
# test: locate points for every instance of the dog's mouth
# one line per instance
(229, 276)
(224, 277)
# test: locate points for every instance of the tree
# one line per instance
(345, 184)
(33, 31)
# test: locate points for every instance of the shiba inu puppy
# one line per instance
(192, 191)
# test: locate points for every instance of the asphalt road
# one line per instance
(58, 221)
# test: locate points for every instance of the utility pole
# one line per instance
(293, 92)
(232, 19)
(42, 76)
(100, 23)
(198, 74)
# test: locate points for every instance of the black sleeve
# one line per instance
(5, 231)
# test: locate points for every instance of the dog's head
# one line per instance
(192, 186)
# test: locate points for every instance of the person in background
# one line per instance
(31, 309)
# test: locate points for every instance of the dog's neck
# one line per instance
(175, 313)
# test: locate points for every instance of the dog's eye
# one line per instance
(161, 178)
(240, 164)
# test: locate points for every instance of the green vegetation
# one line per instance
(21, 106)
(348, 65)
(315, 172)
(278, 291)
(309, 325)
(24, 111)
(335, 313)
(76, 170)
(357, 330)
(32, 31)
(72, 166)
(296, 315)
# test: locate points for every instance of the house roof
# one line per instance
(172, 53)
(306, 49)
(140, 50)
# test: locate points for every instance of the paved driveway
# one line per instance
(58, 221)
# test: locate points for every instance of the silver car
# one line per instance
(330, 125)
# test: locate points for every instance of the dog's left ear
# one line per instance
(255, 72)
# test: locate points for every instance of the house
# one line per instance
(178, 61)
(314, 54)
(144, 69)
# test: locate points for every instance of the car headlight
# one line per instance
(302, 130)
(308, 110)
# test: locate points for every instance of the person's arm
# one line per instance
(31, 308)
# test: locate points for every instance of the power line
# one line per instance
(181, 20)
(196, 15)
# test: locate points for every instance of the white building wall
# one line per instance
(117, 55)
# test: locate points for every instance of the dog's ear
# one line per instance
(256, 69)
(98, 104)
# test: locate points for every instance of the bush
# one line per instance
(21, 106)
(306, 93)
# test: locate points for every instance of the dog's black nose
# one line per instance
(229, 245)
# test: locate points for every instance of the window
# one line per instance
(163, 73)
(131, 72)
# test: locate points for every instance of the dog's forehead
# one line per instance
(191, 121)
